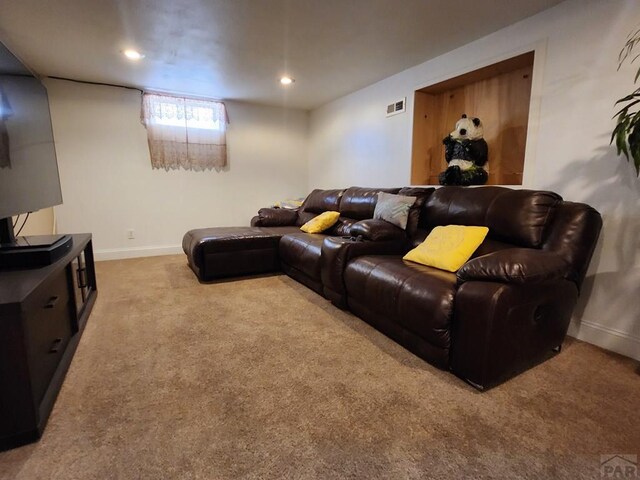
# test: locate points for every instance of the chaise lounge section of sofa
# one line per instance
(507, 309)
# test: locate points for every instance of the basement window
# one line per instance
(185, 133)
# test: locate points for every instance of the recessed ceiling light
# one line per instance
(133, 54)
(286, 80)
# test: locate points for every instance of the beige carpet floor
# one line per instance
(262, 378)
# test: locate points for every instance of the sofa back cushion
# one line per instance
(359, 203)
(421, 194)
(319, 201)
(523, 217)
(304, 217)
(517, 217)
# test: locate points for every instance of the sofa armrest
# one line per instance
(500, 330)
(336, 254)
(377, 230)
(516, 266)
(275, 217)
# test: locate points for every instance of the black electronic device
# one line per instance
(34, 251)
(29, 178)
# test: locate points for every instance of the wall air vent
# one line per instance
(396, 107)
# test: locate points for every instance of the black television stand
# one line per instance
(43, 312)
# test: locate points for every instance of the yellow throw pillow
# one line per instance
(321, 223)
(448, 248)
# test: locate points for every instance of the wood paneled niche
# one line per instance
(499, 95)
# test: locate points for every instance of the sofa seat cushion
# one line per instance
(279, 231)
(417, 297)
(302, 252)
(225, 239)
(232, 251)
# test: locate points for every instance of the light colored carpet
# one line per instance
(262, 378)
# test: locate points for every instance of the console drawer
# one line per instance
(47, 323)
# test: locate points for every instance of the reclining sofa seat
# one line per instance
(301, 253)
(505, 310)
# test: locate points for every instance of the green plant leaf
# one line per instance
(628, 98)
(621, 143)
(626, 108)
(615, 133)
(619, 126)
(634, 146)
(635, 154)
(624, 113)
(626, 133)
(621, 137)
(632, 40)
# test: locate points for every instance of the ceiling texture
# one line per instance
(238, 49)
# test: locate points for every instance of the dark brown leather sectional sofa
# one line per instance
(505, 310)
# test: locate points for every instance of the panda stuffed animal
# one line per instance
(466, 154)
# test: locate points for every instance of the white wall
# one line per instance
(109, 186)
(575, 87)
(40, 222)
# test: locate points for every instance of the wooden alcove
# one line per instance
(499, 95)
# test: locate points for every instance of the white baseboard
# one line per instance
(135, 252)
(608, 338)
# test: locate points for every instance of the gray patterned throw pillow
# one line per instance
(393, 208)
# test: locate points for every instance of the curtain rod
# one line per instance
(170, 93)
(97, 83)
(152, 91)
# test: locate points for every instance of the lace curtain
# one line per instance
(185, 133)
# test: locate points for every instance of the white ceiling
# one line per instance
(238, 49)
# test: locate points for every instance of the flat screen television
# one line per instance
(29, 179)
